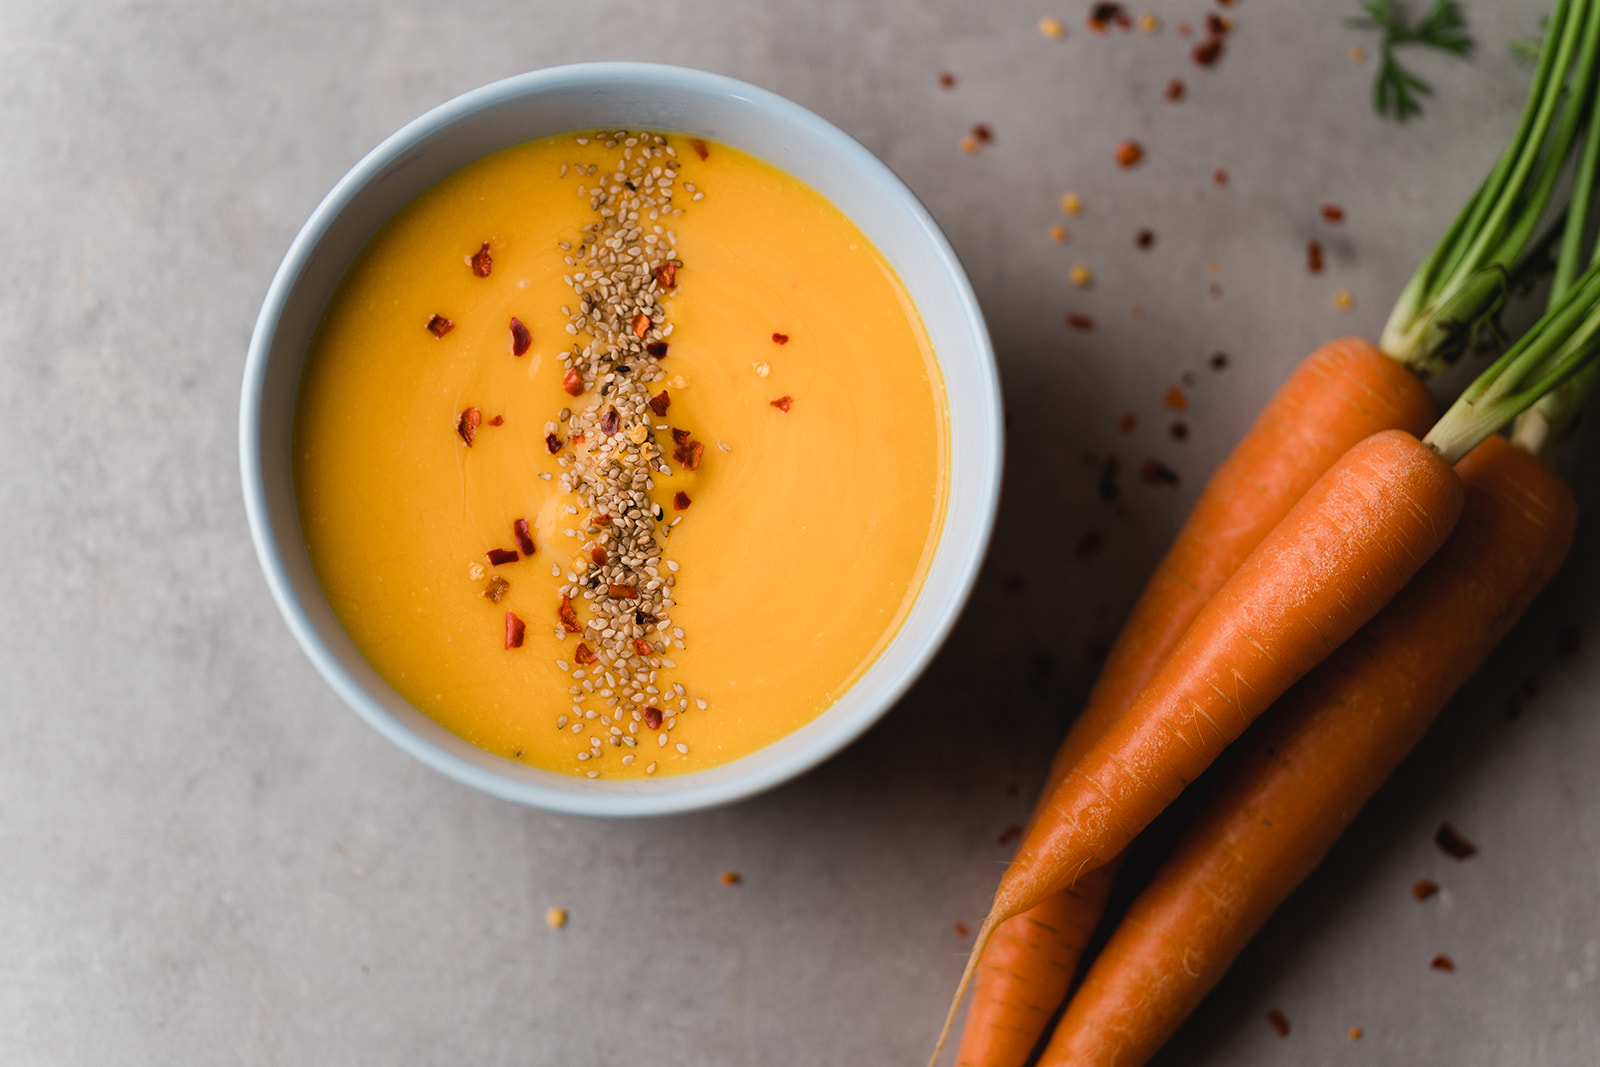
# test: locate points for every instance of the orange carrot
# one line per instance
(1345, 391)
(1316, 758)
(1338, 556)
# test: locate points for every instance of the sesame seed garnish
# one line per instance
(651, 769)
(682, 748)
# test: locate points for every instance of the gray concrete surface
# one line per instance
(207, 859)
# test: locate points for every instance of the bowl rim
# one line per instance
(677, 793)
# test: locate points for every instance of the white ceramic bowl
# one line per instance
(591, 96)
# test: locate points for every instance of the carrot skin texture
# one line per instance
(1350, 544)
(1342, 393)
(1316, 758)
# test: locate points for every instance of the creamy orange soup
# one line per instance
(794, 478)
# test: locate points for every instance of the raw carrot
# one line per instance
(1316, 758)
(1345, 391)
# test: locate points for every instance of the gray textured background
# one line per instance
(205, 858)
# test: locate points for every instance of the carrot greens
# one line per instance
(1443, 28)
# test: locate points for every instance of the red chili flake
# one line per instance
(577, 439)
(497, 556)
(602, 520)
(1128, 421)
(1187, 378)
(568, 616)
(982, 133)
(521, 337)
(688, 454)
(514, 631)
(496, 589)
(667, 275)
(584, 656)
(1424, 889)
(1314, 257)
(961, 930)
(1129, 154)
(658, 349)
(1155, 472)
(1207, 52)
(598, 554)
(610, 422)
(438, 325)
(552, 443)
(1216, 25)
(679, 436)
(1279, 1022)
(1332, 213)
(519, 530)
(644, 618)
(1009, 834)
(780, 338)
(1144, 239)
(1218, 361)
(700, 148)
(498, 420)
(680, 501)
(1225, 3)
(652, 717)
(1176, 90)
(660, 403)
(1091, 542)
(1105, 15)
(1454, 845)
(622, 592)
(1080, 322)
(947, 80)
(783, 403)
(467, 424)
(1175, 400)
(643, 647)
(1215, 289)
(1179, 430)
(572, 382)
(1185, 30)
(1444, 963)
(641, 324)
(1219, 176)
(482, 262)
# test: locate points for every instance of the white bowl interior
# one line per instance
(635, 96)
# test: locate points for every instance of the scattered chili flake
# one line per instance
(1358, 54)
(1071, 204)
(1355, 1033)
(1218, 25)
(1091, 542)
(641, 324)
(1129, 154)
(610, 422)
(961, 930)
(584, 656)
(1279, 1022)
(1058, 233)
(1444, 963)
(658, 349)
(730, 878)
(1155, 472)
(1219, 176)
(1009, 834)
(1452, 843)
(1179, 430)
(521, 338)
(1343, 300)
(555, 918)
(1103, 16)
(644, 618)
(667, 275)
(1213, 267)
(780, 338)
(1051, 27)
(982, 133)
(969, 145)
(519, 529)
(1176, 90)
(783, 403)
(572, 382)
(652, 717)
(602, 520)
(1080, 322)
(947, 80)
(577, 439)
(1314, 257)
(679, 436)
(643, 647)
(482, 262)
(1424, 889)
(700, 148)
(552, 443)
(1080, 276)
(1332, 213)
(680, 501)
(1175, 400)
(467, 424)
(622, 592)
(598, 554)
(498, 556)
(1128, 421)
(1207, 52)
(498, 420)
(496, 589)
(1218, 361)
(514, 631)
(1184, 30)
(1144, 239)
(688, 455)
(660, 403)
(438, 325)
(568, 616)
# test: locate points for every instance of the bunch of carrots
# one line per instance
(1348, 566)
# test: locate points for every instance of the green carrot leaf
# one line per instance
(1395, 90)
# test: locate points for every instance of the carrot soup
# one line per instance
(621, 453)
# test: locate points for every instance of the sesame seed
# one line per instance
(683, 749)
(651, 769)
(594, 774)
